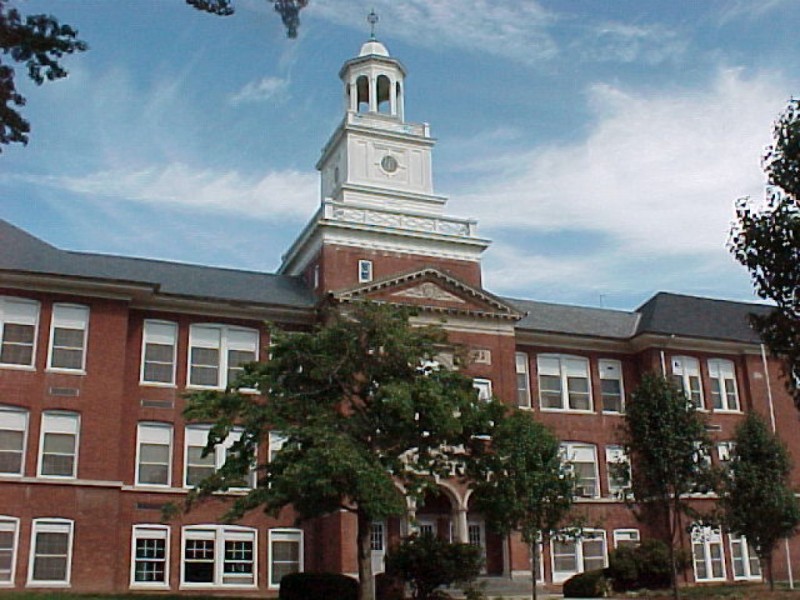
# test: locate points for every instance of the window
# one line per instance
(723, 385)
(364, 271)
(276, 442)
(626, 537)
(484, 387)
(686, 375)
(725, 452)
(564, 383)
(198, 467)
(611, 388)
(150, 556)
(153, 454)
(159, 342)
(215, 555)
(218, 353)
(68, 337)
(744, 560)
(376, 540)
(58, 445)
(285, 554)
(19, 321)
(9, 530)
(585, 553)
(582, 459)
(709, 563)
(523, 381)
(51, 552)
(616, 459)
(13, 438)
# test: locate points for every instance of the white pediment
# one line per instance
(429, 291)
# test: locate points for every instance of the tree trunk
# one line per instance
(671, 540)
(534, 568)
(770, 575)
(366, 588)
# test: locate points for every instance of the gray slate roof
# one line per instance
(576, 320)
(20, 251)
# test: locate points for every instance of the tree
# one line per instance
(766, 241)
(366, 414)
(39, 41)
(756, 498)
(665, 439)
(522, 483)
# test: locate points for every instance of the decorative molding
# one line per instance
(380, 218)
(429, 291)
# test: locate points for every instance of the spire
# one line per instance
(372, 19)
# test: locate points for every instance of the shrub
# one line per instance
(426, 562)
(590, 584)
(388, 587)
(331, 586)
(643, 566)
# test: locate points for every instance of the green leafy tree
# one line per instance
(666, 441)
(756, 498)
(766, 240)
(367, 416)
(522, 483)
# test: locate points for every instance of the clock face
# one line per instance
(389, 163)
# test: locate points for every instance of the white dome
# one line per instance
(373, 47)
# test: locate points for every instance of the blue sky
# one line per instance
(600, 144)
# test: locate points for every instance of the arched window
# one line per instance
(362, 90)
(384, 91)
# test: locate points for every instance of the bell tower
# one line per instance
(378, 204)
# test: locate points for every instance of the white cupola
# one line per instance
(373, 82)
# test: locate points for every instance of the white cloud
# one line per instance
(749, 9)
(268, 88)
(516, 30)
(277, 195)
(627, 43)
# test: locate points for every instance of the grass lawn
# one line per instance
(743, 591)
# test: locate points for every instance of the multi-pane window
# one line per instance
(484, 388)
(523, 380)
(364, 271)
(153, 454)
(159, 343)
(197, 466)
(58, 444)
(611, 388)
(582, 460)
(723, 385)
(744, 560)
(68, 337)
(13, 434)
(725, 452)
(9, 529)
(686, 375)
(626, 537)
(564, 382)
(51, 552)
(576, 555)
(215, 555)
(285, 554)
(19, 320)
(376, 537)
(619, 470)
(707, 555)
(150, 556)
(218, 353)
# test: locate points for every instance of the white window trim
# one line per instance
(484, 388)
(220, 533)
(619, 451)
(6, 523)
(135, 534)
(680, 369)
(163, 426)
(742, 540)
(220, 454)
(619, 533)
(565, 408)
(521, 359)
(707, 554)
(362, 264)
(43, 431)
(275, 533)
(43, 524)
(719, 363)
(222, 368)
(3, 300)
(562, 576)
(53, 327)
(568, 447)
(142, 380)
(26, 416)
(618, 364)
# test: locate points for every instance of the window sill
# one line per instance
(15, 367)
(614, 413)
(56, 477)
(65, 371)
(48, 584)
(157, 384)
(218, 586)
(726, 411)
(568, 410)
(148, 586)
(204, 388)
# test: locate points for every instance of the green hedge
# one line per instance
(590, 584)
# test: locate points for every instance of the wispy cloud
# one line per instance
(627, 43)
(749, 9)
(516, 30)
(263, 90)
(277, 195)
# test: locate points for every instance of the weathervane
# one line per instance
(372, 19)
